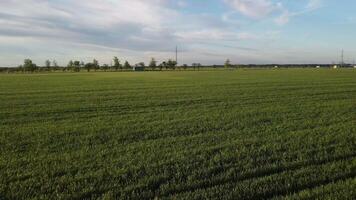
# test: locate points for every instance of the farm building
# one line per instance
(335, 67)
(138, 68)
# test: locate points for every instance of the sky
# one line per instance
(205, 31)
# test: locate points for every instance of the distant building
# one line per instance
(335, 67)
(355, 67)
(138, 68)
(318, 66)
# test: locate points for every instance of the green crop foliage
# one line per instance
(219, 134)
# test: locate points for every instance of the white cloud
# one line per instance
(264, 9)
(182, 3)
(283, 18)
(259, 9)
(214, 34)
(256, 9)
(286, 15)
(314, 4)
(133, 29)
(126, 24)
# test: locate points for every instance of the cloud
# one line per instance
(105, 22)
(286, 15)
(214, 35)
(182, 3)
(314, 4)
(264, 9)
(256, 9)
(283, 18)
(138, 29)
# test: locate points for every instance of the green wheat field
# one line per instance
(218, 134)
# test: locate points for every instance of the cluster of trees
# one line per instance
(29, 65)
(77, 66)
(116, 65)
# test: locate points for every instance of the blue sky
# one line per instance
(206, 31)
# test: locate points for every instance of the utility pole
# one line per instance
(342, 57)
(177, 54)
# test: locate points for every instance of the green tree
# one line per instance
(105, 67)
(196, 65)
(171, 64)
(48, 65)
(76, 66)
(141, 64)
(70, 64)
(95, 65)
(88, 66)
(227, 64)
(163, 64)
(29, 66)
(20, 68)
(54, 63)
(153, 64)
(127, 65)
(117, 64)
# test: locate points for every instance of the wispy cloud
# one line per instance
(139, 29)
(285, 17)
(256, 9)
(314, 4)
(263, 9)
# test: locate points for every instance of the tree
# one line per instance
(163, 64)
(227, 63)
(171, 64)
(70, 64)
(88, 66)
(127, 65)
(54, 63)
(196, 65)
(141, 64)
(48, 64)
(105, 67)
(76, 66)
(185, 66)
(20, 68)
(29, 66)
(76, 63)
(117, 64)
(95, 64)
(153, 64)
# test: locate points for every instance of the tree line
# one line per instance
(153, 65)
(116, 65)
